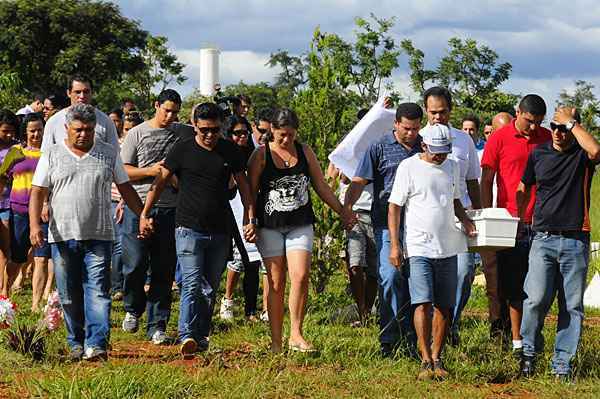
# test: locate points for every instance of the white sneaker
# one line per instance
(264, 316)
(130, 323)
(159, 338)
(226, 311)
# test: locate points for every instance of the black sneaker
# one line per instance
(387, 350)
(527, 366)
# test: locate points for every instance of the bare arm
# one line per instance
(474, 193)
(136, 173)
(487, 182)
(36, 201)
(523, 195)
(589, 144)
(394, 222)
(467, 223)
(156, 189)
(131, 197)
(256, 165)
(357, 185)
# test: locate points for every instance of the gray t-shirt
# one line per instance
(145, 145)
(79, 188)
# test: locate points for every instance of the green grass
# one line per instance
(239, 364)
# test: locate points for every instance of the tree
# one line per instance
(364, 65)
(584, 99)
(45, 41)
(470, 71)
(11, 95)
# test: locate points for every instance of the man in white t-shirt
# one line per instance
(427, 186)
(79, 92)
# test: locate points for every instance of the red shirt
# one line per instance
(506, 153)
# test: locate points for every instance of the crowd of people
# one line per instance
(116, 207)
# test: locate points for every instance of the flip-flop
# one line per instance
(301, 349)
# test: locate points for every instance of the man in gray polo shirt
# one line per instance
(76, 175)
(143, 153)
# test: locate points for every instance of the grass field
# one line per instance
(238, 363)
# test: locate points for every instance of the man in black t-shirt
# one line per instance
(203, 165)
(562, 171)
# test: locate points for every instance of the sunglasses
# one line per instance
(240, 132)
(207, 130)
(262, 130)
(560, 128)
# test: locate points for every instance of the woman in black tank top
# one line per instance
(280, 174)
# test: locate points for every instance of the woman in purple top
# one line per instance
(8, 129)
(17, 169)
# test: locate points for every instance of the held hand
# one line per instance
(349, 218)
(396, 256)
(387, 103)
(36, 236)
(469, 228)
(564, 115)
(146, 227)
(45, 213)
(156, 168)
(249, 233)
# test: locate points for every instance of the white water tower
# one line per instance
(209, 69)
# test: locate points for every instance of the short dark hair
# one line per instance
(78, 78)
(285, 117)
(58, 100)
(265, 114)
(7, 117)
(409, 111)
(31, 117)
(208, 111)
(533, 104)
(134, 117)
(127, 100)
(438, 91)
(361, 113)
(473, 118)
(245, 98)
(38, 97)
(117, 111)
(169, 95)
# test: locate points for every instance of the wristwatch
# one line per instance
(571, 124)
(253, 221)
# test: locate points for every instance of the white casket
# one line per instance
(496, 229)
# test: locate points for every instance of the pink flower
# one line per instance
(53, 314)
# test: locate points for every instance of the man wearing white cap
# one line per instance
(427, 186)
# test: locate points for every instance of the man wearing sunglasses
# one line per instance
(143, 152)
(504, 158)
(562, 171)
(261, 129)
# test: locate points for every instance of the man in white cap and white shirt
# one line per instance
(427, 189)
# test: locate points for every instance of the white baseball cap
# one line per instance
(437, 138)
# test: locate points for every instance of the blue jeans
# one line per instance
(156, 252)
(202, 257)
(557, 265)
(116, 264)
(81, 269)
(466, 274)
(394, 298)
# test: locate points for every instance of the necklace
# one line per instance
(287, 163)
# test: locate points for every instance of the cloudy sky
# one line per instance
(549, 43)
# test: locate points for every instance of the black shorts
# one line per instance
(513, 264)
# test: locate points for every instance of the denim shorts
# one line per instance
(4, 214)
(433, 281)
(19, 239)
(278, 241)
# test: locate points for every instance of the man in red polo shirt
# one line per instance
(504, 158)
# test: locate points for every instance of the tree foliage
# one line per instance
(11, 95)
(584, 99)
(45, 41)
(470, 71)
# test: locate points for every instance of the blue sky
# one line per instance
(549, 43)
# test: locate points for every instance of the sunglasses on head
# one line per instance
(559, 127)
(240, 132)
(207, 130)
